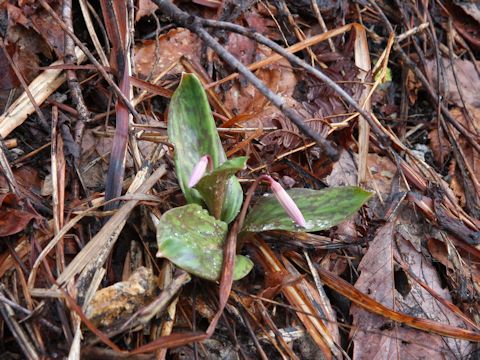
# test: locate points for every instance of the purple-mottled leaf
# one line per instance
(212, 186)
(322, 209)
(192, 131)
(193, 240)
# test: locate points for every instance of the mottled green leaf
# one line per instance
(322, 209)
(193, 240)
(192, 131)
(233, 200)
(213, 186)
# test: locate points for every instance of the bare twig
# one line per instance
(94, 61)
(6, 170)
(83, 114)
(321, 22)
(17, 331)
(41, 117)
(93, 34)
(74, 86)
(431, 92)
(196, 25)
(297, 61)
(30, 313)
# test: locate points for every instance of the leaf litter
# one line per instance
(90, 277)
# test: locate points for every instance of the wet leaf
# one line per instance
(193, 132)
(322, 209)
(193, 240)
(212, 186)
(15, 214)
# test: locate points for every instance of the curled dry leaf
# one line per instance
(115, 304)
(441, 146)
(96, 148)
(243, 97)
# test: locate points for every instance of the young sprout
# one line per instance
(200, 169)
(285, 200)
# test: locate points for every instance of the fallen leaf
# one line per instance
(95, 152)
(377, 338)
(344, 173)
(441, 146)
(214, 4)
(471, 8)
(16, 16)
(46, 26)
(145, 8)
(167, 49)
(465, 16)
(467, 77)
(116, 303)
(15, 214)
(244, 98)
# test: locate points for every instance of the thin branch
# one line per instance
(94, 61)
(431, 92)
(84, 115)
(16, 70)
(195, 24)
(297, 61)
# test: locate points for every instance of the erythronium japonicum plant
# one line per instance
(193, 236)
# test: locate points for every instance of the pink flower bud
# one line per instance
(199, 170)
(287, 202)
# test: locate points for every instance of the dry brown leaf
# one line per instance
(413, 86)
(439, 251)
(214, 4)
(382, 170)
(145, 8)
(170, 47)
(376, 338)
(96, 148)
(47, 27)
(262, 23)
(243, 97)
(441, 146)
(471, 8)
(344, 173)
(467, 77)
(15, 214)
(116, 303)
